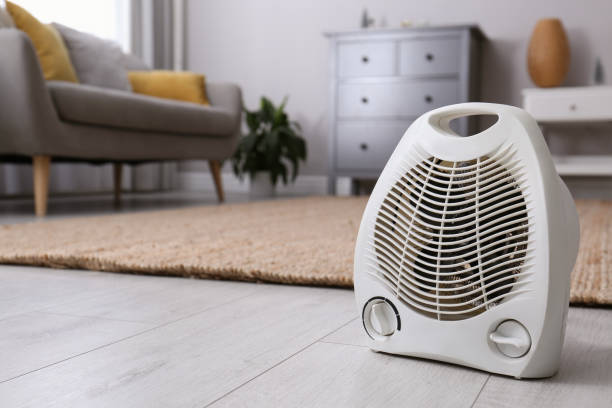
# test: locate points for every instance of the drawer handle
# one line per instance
(363, 146)
(364, 99)
(365, 59)
(428, 98)
(429, 57)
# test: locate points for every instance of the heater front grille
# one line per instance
(451, 239)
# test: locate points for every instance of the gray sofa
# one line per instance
(42, 121)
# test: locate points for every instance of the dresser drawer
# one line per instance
(373, 58)
(395, 99)
(438, 56)
(367, 145)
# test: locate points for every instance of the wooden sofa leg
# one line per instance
(117, 171)
(41, 166)
(215, 169)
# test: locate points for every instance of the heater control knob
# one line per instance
(511, 338)
(380, 318)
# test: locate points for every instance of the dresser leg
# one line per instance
(117, 172)
(331, 184)
(354, 187)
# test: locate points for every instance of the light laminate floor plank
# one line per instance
(585, 376)
(34, 340)
(351, 334)
(150, 299)
(336, 375)
(26, 289)
(191, 362)
(156, 299)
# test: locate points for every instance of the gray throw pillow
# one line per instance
(96, 61)
(5, 19)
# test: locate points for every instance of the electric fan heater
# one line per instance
(466, 246)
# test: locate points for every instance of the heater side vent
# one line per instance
(453, 239)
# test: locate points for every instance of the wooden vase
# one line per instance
(548, 56)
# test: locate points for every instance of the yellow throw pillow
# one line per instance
(50, 48)
(182, 86)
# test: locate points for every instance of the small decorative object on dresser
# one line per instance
(272, 144)
(599, 74)
(366, 20)
(381, 80)
(548, 56)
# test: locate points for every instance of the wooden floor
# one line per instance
(94, 339)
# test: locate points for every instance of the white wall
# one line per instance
(277, 48)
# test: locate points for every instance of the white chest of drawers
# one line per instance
(381, 80)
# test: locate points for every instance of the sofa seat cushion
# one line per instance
(90, 105)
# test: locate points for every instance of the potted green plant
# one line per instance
(271, 149)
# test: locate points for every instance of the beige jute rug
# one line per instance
(296, 241)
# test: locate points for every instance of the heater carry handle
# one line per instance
(441, 118)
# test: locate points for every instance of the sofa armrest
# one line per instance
(228, 97)
(225, 95)
(28, 120)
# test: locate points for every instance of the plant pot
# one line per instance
(548, 56)
(261, 186)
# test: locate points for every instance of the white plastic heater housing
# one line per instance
(466, 246)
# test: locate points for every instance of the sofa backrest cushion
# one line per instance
(50, 48)
(5, 19)
(97, 61)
